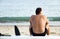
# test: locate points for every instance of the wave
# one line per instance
(22, 19)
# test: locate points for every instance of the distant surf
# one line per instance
(25, 20)
(22, 19)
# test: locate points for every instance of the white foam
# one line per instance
(27, 23)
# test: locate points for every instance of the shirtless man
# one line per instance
(39, 25)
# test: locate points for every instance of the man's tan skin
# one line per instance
(38, 23)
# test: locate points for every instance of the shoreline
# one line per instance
(53, 23)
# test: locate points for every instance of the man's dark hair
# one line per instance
(38, 10)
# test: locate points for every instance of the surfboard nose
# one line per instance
(17, 32)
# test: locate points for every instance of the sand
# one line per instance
(24, 30)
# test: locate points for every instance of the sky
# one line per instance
(26, 8)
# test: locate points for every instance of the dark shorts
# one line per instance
(35, 34)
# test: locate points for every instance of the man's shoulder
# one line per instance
(33, 15)
(46, 17)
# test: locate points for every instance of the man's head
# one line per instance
(38, 11)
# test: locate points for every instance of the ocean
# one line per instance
(18, 12)
(25, 20)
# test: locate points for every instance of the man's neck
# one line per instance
(40, 14)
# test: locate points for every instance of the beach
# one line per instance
(24, 30)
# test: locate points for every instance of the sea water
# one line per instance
(14, 12)
(56, 23)
(25, 20)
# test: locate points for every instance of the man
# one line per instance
(39, 25)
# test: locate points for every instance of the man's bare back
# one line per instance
(38, 23)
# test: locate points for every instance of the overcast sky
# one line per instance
(18, 8)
